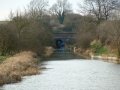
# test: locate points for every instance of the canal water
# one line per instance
(72, 74)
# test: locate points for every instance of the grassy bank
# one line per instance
(21, 64)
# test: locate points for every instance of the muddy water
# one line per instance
(72, 75)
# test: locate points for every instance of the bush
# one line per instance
(22, 33)
(84, 40)
(85, 32)
(97, 47)
(8, 40)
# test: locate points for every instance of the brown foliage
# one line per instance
(21, 64)
(86, 32)
(110, 30)
(22, 33)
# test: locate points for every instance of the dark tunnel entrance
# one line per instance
(60, 44)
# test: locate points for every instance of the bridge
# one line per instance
(62, 39)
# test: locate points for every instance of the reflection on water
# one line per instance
(64, 54)
(72, 75)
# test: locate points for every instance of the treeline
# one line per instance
(99, 28)
(23, 34)
(29, 30)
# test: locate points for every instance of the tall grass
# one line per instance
(21, 64)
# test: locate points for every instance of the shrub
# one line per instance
(98, 48)
(8, 39)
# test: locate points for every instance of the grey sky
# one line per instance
(7, 5)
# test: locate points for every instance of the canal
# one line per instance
(72, 74)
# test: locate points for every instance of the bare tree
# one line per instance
(20, 21)
(61, 8)
(108, 7)
(11, 15)
(101, 9)
(37, 8)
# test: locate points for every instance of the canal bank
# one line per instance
(15, 67)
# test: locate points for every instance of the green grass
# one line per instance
(2, 58)
(101, 50)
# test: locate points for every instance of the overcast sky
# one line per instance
(7, 5)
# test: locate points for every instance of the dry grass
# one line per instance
(49, 51)
(21, 64)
